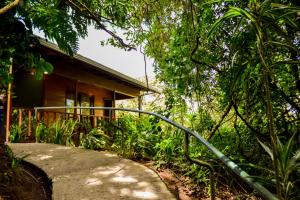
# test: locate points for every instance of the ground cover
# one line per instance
(20, 180)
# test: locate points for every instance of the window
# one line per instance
(70, 101)
(108, 103)
(83, 100)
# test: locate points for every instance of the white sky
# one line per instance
(130, 63)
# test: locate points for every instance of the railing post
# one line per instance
(95, 121)
(139, 104)
(110, 116)
(37, 118)
(20, 118)
(122, 143)
(47, 115)
(29, 122)
(37, 114)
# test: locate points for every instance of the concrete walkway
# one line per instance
(88, 175)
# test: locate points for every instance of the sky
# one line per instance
(130, 63)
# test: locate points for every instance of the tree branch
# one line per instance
(145, 64)
(9, 6)
(211, 134)
(200, 62)
(97, 19)
(285, 97)
(245, 121)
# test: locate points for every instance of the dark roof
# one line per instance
(101, 68)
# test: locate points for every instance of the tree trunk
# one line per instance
(266, 83)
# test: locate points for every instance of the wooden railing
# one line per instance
(24, 115)
(51, 116)
(27, 116)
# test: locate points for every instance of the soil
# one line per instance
(184, 188)
(31, 184)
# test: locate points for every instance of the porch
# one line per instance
(28, 120)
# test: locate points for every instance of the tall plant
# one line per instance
(258, 18)
(288, 163)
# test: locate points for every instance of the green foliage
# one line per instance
(289, 165)
(41, 132)
(72, 133)
(214, 53)
(136, 138)
(61, 131)
(63, 22)
(169, 148)
(95, 139)
(207, 53)
(15, 133)
(19, 132)
(12, 159)
(9, 170)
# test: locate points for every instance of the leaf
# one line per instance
(230, 14)
(283, 44)
(267, 149)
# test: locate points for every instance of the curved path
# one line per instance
(89, 175)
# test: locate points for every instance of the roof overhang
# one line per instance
(101, 68)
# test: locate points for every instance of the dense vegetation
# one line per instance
(239, 60)
(230, 70)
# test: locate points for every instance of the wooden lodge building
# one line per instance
(75, 81)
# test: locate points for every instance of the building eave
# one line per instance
(100, 67)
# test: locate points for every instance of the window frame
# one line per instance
(91, 102)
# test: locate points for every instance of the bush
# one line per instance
(95, 139)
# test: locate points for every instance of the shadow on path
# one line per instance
(87, 175)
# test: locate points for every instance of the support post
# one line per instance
(29, 122)
(94, 121)
(76, 100)
(20, 117)
(37, 114)
(114, 104)
(8, 107)
(110, 116)
(140, 104)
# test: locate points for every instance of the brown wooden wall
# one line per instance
(99, 93)
(55, 88)
(73, 71)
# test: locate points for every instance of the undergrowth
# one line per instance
(147, 138)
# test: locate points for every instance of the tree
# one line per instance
(61, 21)
(239, 60)
(250, 64)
